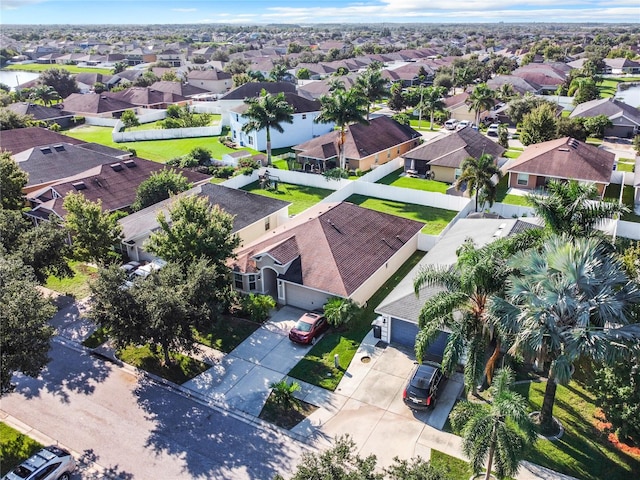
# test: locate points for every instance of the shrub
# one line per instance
(340, 311)
(283, 393)
(248, 163)
(225, 171)
(201, 154)
(258, 306)
(244, 171)
(174, 162)
(188, 162)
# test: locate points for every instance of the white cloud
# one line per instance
(16, 4)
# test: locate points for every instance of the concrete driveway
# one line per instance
(241, 379)
(368, 406)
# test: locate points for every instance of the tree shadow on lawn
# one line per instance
(67, 371)
(213, 444)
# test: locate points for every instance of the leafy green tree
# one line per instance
(583, 89)
(573, 208)
(170, 76)
(129, 119)
(13, 224)
(617, 393)
(397, 101)
(10, 120)
(336, 173)
(46, 94)
(119, 67)
(539, 126)
(341, 311)
(482, 98)
(45, 249)
(194, 229)
(240, 79)
(503, 136)
(571, 127)
(372, 86)
(283, 393)
(60, 80)
(94, 232)
(99, 87)
(303, 74)
(12, 180)
(597, 125)
(443, 80)
(278, 73)
(498, 432)
(506, 93)
(519, 107)
(266, 112)
(24, 328)
(201, 154)
(432, 100)
(414, 469)
(568, 301)
(477, 177)
(159, 186)
(147, 79)
(342, 108)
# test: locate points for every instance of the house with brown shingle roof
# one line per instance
(625, 120)
(149, 97)
(212, 80)
(49, 115)
(115, 184)
(178, 88)
(365, 146)
(562, 159)
(333, 250)
(303, 128)
(96, 105)
(21, 139)
(441, 158)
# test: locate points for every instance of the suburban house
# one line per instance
(115, 184)
(333, 250)
(625, 118)
(148, 97)
(548, 75)
(400, 310)
(235, 97)
(20, 139)
(459, 108)
(441, 158)
(49, 163)
(49, 115)
(562, 159)
(612, 66)
(313, 90)
(302, 129)
(96, 105)
(520, 85)
(253, 216)
(215, 81)
(365, 146)
(178, 88)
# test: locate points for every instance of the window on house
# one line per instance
(388, 154)
(267, 223)
(398, 151)
(523, 179)
(304, 116)
(281, 292)
(250, 140)
(457, 173)
(238, 281)
(252, 282)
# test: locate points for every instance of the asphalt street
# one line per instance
(137, 429)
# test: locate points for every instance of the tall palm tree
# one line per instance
(432, 100)
(506, 92)
(343, 108)
(499, 431)
(573, 208)
(46, 94)
(477, 175)
(481, 99)
(460, 304)
(267, 111)
(372, 86)
(569, 300)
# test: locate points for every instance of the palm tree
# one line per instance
(45, 93)
(343, 108)
(477, 175)
(481, 99)
(506, 92)
(267, 111)
(499, 431)
(432, 100)
(372, 86)
(573, 208)
(569, 300)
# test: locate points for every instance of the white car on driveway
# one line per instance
(451, 124)
(50, 463)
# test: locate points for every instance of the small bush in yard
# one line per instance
(340, 311)
(283, 393)
(258, 306)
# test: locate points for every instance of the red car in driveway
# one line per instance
(308, 328)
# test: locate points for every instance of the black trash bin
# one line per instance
(377, 331)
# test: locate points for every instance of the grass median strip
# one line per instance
(317, 366)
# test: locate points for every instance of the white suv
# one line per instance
(450, 124)
(50, 463)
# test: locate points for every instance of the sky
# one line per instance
(120, 12)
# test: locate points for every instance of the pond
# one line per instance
(630, 96)
(16, 77)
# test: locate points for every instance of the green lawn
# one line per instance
(503, 197)
(317, 366)
(625, 166)
(512, 153)
(182, 369)
(156, 150)
(583, 451)
(227, 333)
(436, 219)
(14, 448)
(609, 86)
(395, 179)
(158, 124)
(612, 193)
(424, 125)
(301, 197)
(39, 67)
(76, 286)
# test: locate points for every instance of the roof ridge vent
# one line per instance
(334, 226)
(45, 150)
(573, 143)
(79, 185)
(130, 163)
